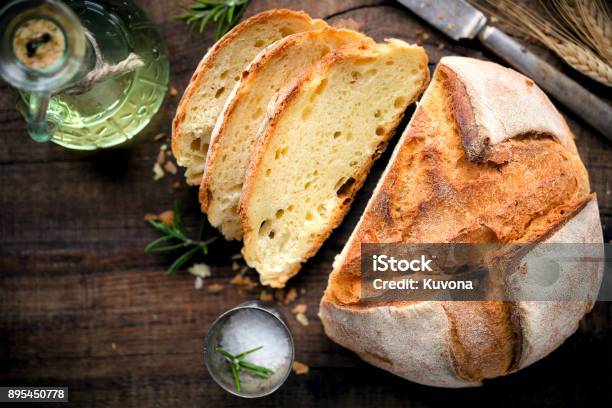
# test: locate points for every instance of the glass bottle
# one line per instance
(48, 46)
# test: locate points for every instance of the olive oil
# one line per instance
(113, 110)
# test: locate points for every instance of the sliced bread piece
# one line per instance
(216, 76)
(234, 135)
(316, 147)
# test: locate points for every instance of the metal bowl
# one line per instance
(217, 364)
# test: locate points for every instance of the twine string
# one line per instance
(102, 70)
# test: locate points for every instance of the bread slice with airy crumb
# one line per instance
(235, 133)
(316, 147)
(216, 76)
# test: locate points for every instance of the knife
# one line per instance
(458, 20)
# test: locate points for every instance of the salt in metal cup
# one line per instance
(217, 364)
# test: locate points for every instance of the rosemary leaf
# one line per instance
(256, 368)
(235, 362)
(181, 260)
(168, 248)
(205, 21)
(225, 353)
(152, 244)
(246, 353)
(223, 13)
(236, 376)
(174, 237)
(177, 221)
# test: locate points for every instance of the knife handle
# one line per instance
(593, 110)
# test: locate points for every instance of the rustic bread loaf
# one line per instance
(316, 147)
(216, 76)
(234, 135)
(485, 158)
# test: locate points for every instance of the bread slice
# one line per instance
(316, 148)
(216, 76)
(486, 158)
(234, 135)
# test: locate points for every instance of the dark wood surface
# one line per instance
(82, 306)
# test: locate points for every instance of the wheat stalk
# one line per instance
(592, 21)
(585, 61)
(579, 31)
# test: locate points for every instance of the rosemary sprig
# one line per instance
(174, 238)
(237, 362)
(223, 13)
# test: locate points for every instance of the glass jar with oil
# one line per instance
(91, 74)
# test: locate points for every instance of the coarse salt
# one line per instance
(251, 328)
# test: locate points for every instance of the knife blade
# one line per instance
(458, 20)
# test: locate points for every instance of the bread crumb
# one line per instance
(290, 296)
(285, 297)
(440, 45)
(215, 288)
(172, 90)
(163, 147)
(450, 26)
(236, 257)
(243, 281)
(158, 172)
(161, 157)
(266, 296)
(300, 368)
(235, 266)
(114, 345)
(302, 290)
(176, 185)
(301, 308)
(159, 136)
(167, 217)
(200, 270)
(419, 31)
(301, 317)
(199, 283)
(170, 167)
(150, 217)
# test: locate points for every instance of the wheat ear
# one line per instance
(579, 31)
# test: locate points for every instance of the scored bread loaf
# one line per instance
(234, 135)
(316, 147)
(216, 76)
(486, 158)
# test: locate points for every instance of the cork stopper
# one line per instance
(39, 43)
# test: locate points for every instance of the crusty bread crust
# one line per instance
(546, 325)
(411, 342)
(327, 38)
(515, 106)
(440, 186)
(209, 62)
(415, 341)
(268, 129)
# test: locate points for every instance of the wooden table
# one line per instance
(81, 305)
